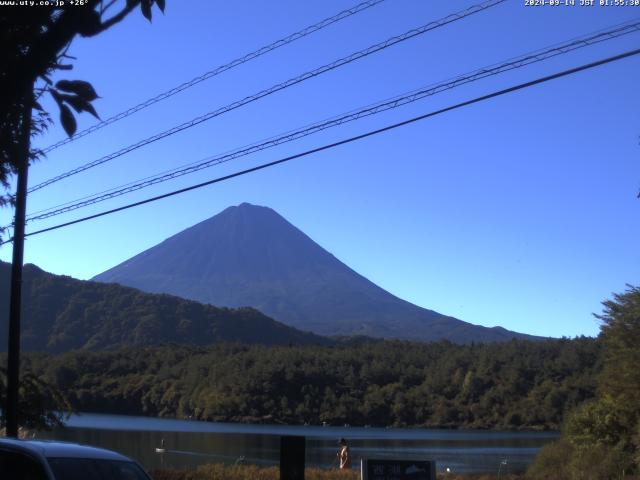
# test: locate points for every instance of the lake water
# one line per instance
(190, 443)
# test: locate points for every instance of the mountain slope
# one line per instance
(250, 255)
(61, 313)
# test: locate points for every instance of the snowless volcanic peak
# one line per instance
(249, 255)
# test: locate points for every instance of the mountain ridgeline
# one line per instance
(61, 313)
(251, 256)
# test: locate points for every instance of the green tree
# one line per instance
(620, 333)
(601, 438)
(42, 405)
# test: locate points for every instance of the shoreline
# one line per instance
(465, 451)
(266, 425)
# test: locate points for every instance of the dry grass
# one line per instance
(252, 472)
(248, 472)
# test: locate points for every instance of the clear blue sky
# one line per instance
(520, 211)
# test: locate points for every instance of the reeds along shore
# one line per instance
(253, 472)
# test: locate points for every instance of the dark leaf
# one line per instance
(132, 3)
(61, 66)
(38, 107)
(67, 120)
(161, 5)
(89, 108)
(145, 6)
(79, 104)
(79, 87)
(74, 101)
(47, 79)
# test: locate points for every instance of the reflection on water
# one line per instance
(191, 443)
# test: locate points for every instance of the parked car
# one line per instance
(50, 460)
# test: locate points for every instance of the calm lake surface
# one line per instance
(191, 443)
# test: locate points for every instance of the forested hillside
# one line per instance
(511, 385)
(61, 313)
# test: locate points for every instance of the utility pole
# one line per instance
(13, 359)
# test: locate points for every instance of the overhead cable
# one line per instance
(276, 88)
(218, 70)
(495, 69)
(482, 98)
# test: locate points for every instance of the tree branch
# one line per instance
(118, 17)
(104, 8)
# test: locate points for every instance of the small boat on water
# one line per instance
(161, 449)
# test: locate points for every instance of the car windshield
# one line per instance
(95, 469)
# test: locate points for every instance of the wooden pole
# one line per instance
(13, 358)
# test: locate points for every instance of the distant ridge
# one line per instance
(61, 313)
(249, 255)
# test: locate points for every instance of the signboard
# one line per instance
(393, 469)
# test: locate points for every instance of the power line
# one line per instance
(498, 93)
(276, 88)
(495, 69)
(218, 70)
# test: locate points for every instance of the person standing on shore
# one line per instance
(344, 455)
